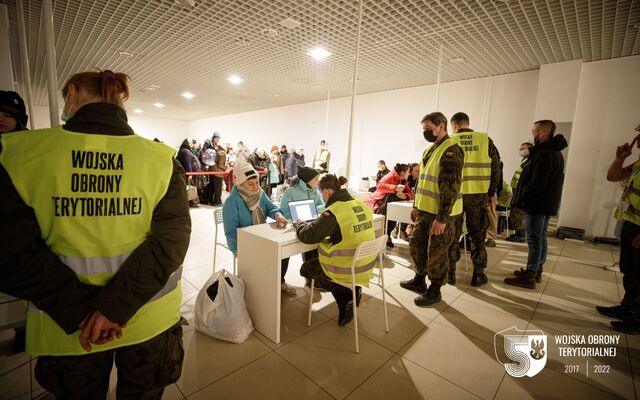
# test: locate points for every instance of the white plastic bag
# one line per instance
(226, 316)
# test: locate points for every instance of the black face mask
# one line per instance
(429, 136)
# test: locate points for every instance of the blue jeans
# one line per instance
(535, 226)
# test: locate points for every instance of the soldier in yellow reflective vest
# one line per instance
(95, 226)
(480, 178)
(516, 215)
(437, 202)
(628, 311)
(338, 231)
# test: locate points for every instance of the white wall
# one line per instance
(171, 132)
(558, 91)
(387, 124)
(607, 111)
(297, 125)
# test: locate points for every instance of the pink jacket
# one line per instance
(387, 185)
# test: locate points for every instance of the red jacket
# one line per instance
(387, 185)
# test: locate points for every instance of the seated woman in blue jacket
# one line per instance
(248, 205)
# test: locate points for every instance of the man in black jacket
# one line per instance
(538, 195)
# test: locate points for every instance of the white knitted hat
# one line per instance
(244, 171)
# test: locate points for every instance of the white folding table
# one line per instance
(260, 250)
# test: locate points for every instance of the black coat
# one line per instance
(187, 159)
(540, 186)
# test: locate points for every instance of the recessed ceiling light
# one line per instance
(456, 60)
(318, 53)
(159, 105)
(276, 95)
(188, 95)
(270, 32)
(125, 53)
(235, 79)
(138, 111)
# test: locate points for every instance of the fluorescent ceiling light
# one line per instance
(159, 105)
(138, 111)
(188, 95)
(318, 53)
(456, 60)
(235, 79)
(125, 53)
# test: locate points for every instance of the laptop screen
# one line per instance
(303, 210)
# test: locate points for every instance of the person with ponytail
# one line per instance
(104, 226)
(392, 187)
(339, 230)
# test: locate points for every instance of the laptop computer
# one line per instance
(303, 210)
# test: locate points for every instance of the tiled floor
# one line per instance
(442, 352)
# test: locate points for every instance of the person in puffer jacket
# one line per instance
(303, 187)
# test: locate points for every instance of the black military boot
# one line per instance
(451, 278)
(629, 326)
(617, 312)
(415, 284)
(345, 305)
(430, 297)
(479, 279)
(358, 295)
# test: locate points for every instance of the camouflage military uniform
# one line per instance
(431, 253)
(516, 216)
(454, 249)
(476, 211)
(143, 369)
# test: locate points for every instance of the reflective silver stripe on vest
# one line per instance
(429, 178)
(477, 165)
(429, 193)
(337, 253)
(476, 178)
(347, 270)
(171, 284)
(94, 265)
(632, 210)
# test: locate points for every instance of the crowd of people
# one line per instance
(275, 167)
(90, 278)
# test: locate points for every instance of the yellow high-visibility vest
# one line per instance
(476, 174)
(631, 197)
(428, 191)
(505, 196)
(516, 175)
(356, 226)
(93, 197)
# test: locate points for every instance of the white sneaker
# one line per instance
(287, 289)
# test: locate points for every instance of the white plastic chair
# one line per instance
(217, 218)
(506, 214)
(364, 250)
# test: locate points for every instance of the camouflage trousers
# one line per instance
(476, 215)
(454, 249)
(492, 229)
(144, 370)
(516, 216)
(430, 253)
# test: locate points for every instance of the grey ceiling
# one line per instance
(195, 49)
